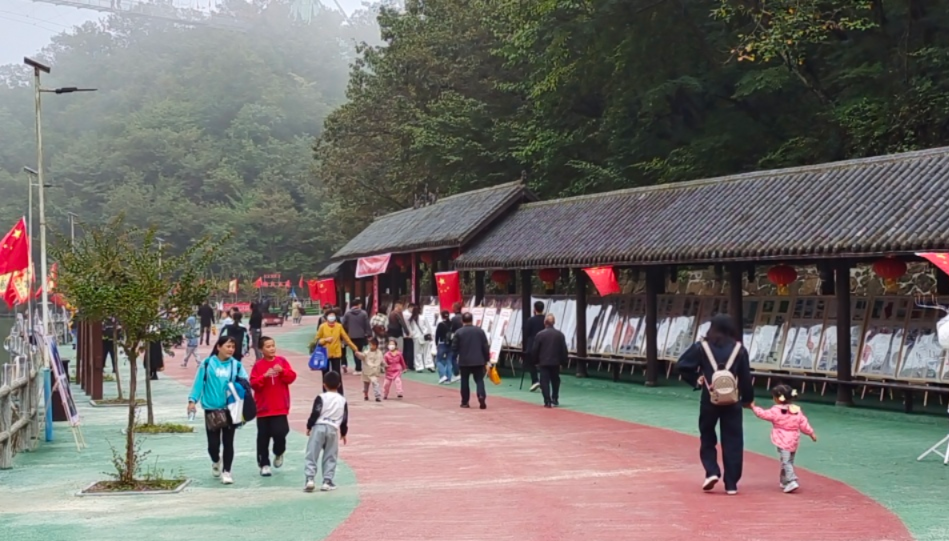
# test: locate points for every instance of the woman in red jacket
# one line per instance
(271, 379)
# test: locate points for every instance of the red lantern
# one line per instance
(891, 270)
(782, 276)
(426, 258)
(399, 261)
(455, 253)
(501, 277)
(549, 276)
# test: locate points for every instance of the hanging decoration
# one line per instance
(427, 258)
(400, 261)
(890, 270)
(501, 277)
(549, 277)
(782, 276)
(604, 278)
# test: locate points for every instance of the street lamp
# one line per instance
(72, 227)
(38, 91)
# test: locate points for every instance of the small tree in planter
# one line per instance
(121, 271)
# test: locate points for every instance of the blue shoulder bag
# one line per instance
(319, 359)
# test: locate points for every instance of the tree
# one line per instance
(120, 270)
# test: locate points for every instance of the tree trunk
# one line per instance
(148, 384)
(115, 359)
(130, 458)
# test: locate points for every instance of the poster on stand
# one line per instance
(883, 337)
(802, 345)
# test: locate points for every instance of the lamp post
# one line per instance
(38, 91)
(72, 227)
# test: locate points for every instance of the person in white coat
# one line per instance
(422, 336)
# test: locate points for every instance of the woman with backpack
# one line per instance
(719, 366)
(210, 388)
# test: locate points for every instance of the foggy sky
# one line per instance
(27, 26)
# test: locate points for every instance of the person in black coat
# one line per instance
(534, 325)
(206, 315)
(549, 351)
(470, 344)
(696, 369)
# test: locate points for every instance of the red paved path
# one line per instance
(428, 470)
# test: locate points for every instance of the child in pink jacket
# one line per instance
(395, 366)
(788, 422)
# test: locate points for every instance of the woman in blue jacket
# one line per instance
(210, 388)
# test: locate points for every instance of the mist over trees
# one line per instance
(194, 129)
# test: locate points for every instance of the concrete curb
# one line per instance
(83, 494)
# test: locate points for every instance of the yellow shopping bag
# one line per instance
(493, 375)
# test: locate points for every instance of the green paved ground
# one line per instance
(37, 499)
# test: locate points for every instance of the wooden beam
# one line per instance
(654, 278)
(736, 298)
(844, 368)
(582, 281)
(479, 287)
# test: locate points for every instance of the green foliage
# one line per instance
(195, 131)
(163, 428)
(592, 95)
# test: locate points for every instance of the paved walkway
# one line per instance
(429, 470)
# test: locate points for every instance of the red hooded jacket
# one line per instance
(272, 393)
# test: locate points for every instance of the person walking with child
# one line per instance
(395, 366)
(371, 370)
(331, 335)
(327, 425)
(788, 422)
(270, 379)
(718, 365)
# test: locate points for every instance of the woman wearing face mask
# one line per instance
(331, 335)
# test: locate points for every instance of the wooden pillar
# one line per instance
(844, 368)
(582, 281)
(479, 287)
(942, 283)
(654, 278)
(96, 361)
(736, 299)
(434, 285)
(512, 284)
(525, 304)
(415, 284)
(80, 356)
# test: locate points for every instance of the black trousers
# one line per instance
(335, 365)
(361, 344)
(408, 351)
(532, 370)
(478, 373)
(550, 383)
(108, 351)
(729, 420)
(222, 436)
(273, 428)
(205, 337)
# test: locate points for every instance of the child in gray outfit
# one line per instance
(326, 426)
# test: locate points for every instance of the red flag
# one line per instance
(300, 285)
(449, 288)
(941, 261)
(258, 283)
(604, 278)
(18, 289)
(15, 249)
(287, 285)
(327, 291)
(314, 290)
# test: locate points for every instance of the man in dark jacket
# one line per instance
(206, 315)
(456, 324)
(356, 325)
(549, 351)
(470, 343)
(256, 324)
(534, 325)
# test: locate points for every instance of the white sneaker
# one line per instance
(278, 461)
(710, 483)
(328, 486)
(443, 380)
(265, 471)
(791, 487)
(310, 486)
(535, 387)
(731, 492)
(216, 469)
(226, 478)
(455, 379)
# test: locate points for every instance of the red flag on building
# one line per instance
(314, 290)
(604, 278)
(259, 283)
(941, 261)
(15, 249)
(327, 291)
(449, 288)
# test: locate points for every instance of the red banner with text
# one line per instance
(372, 266)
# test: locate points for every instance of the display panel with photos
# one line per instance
(883, 337)
(921, 356)
(767, 340)
(827, 362)
(682, 330)
(802, 344)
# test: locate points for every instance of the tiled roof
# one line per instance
(330, 270)
(888, 204)
(449, 223)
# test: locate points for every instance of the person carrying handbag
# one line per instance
(210, 388)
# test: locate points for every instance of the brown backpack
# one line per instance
(723, 388)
